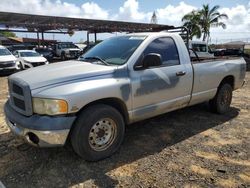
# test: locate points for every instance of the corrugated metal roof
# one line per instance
(45, 23)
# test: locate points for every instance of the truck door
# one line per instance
(157, 90)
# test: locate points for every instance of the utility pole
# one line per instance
(154, 18)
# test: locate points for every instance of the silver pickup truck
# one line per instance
(120, 81)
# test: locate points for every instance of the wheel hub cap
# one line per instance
(102, 134)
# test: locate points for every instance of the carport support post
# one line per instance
(42, 38)
(38, 40)
(95, 37)
(87, 38)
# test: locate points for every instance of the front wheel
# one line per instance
(221, 102)
(63, 56)
(98, 132)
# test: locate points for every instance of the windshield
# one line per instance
(29, 54)
(200, 47)
(116, 50)
(4, 51)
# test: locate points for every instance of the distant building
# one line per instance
(234, 44)
(5, 41)
(154, 18)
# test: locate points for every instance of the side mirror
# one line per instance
(16, 55)
(151, 60)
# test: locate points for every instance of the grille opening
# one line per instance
(38, 64)
(17, 89)
(7, 64)
(20, 96)
(19, 103)
(32, 138)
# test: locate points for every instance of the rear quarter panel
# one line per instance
(209, 74)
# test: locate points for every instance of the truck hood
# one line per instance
(4, 58)
(34, 59)
(71, 49)
(61, 72)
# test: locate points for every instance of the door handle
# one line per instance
(181, 73)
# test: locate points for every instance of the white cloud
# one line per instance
(238, 17)
(238, 24)
(92, 10)
(172, 15)
(130, 12)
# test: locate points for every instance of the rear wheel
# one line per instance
(222, 100)
(98, 132)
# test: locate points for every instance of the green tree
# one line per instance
(7, 34)
(200, 21)
(211, 18)
(192, 23)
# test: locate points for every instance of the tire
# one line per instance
(63, 57)
(98, 132)
(21, 66)
(221, 102)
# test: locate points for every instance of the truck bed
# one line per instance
(218, 58)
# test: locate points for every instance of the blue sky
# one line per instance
(147, 5)
(168, 12)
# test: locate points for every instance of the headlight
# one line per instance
(50, 106)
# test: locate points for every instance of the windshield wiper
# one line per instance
(99, 59)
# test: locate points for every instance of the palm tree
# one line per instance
(192, 23)
(211, 18)
(199, 22)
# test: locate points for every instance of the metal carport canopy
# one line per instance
(42, 23)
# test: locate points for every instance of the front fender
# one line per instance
(80, 93)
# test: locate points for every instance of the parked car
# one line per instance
(228, 52)
(87, 48)
(13, 48)
(45, 52)
(66, 50)
(8, 62)
(29, 59)
(201, 49)
(122, 80)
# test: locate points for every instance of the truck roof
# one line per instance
(153, 33)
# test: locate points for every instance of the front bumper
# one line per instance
(42, 131)
(27, 65)
(8, 69)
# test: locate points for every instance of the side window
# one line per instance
(15, 53)
(166, 48)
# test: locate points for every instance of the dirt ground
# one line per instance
(186, 148)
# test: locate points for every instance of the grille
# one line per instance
(20, 96)
(7, 64)
(35, 64)
(74, 53)
(17, 89)
(19, 103)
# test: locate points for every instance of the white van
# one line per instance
(8, 62)
(201, 48)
